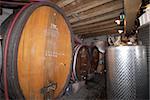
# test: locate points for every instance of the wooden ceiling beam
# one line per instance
(108, 7)
(106, 16)
(103, 6)
(63, 3)
(96, 28)
(87, 6)
(131, 8)
(106, 22)
(99, 34)
(75, 4)
(99, 31)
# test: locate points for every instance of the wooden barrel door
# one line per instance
(39, 53)
(81, 62)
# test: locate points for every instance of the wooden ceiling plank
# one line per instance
(87, 6)
(112, 6)
(75, 4)
(109, 15)
(98, 31)
(131, 7)
(99, 34)
(63, 3)
(110, 21)
(103, 6)
(96, 28)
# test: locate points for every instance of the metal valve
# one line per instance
(49, 90)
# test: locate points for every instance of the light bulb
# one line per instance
(120, 31)
(117, 21)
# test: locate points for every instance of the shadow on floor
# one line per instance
(95, 89)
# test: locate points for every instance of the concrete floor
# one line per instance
(95, 89)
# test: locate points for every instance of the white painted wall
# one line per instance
(88, 41)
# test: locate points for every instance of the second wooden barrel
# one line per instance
(34, 50)
(81, 62)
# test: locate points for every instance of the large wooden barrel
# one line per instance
(37, 53)
(81, 62)
(94, 52)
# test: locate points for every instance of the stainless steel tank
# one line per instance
(144, 39)
(127, 73)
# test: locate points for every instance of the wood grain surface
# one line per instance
(44, 53)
